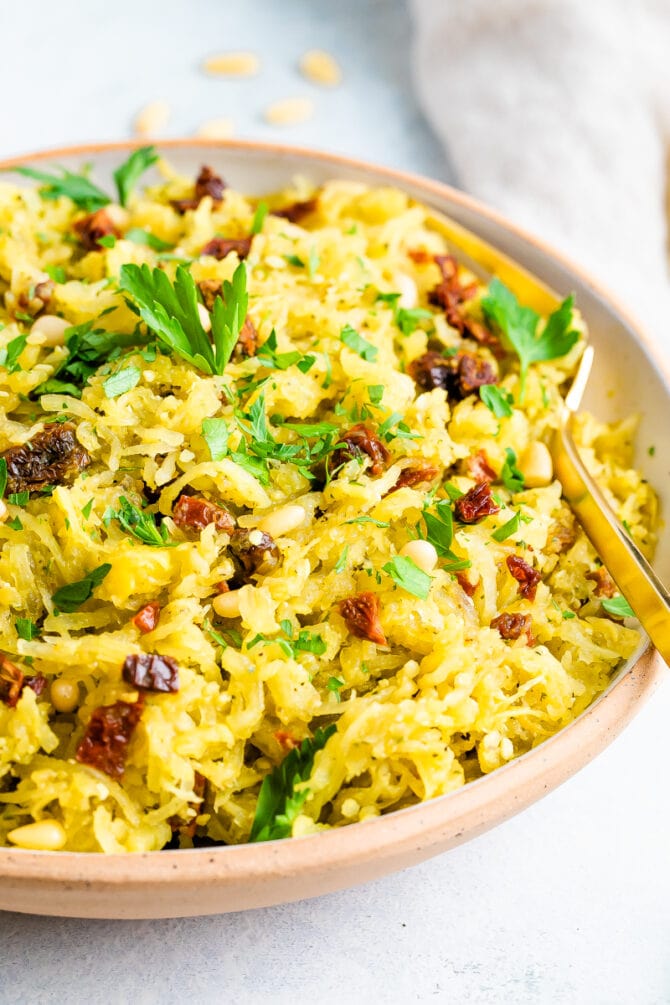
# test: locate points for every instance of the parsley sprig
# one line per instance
(170, 309)
(279, 800)
(141, 525)
(518, 327)
(87, 349)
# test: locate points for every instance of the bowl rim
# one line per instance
(457, 816)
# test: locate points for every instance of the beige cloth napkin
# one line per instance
(557, 112)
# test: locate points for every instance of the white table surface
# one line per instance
(570, 901)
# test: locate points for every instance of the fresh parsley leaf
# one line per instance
(510, 475)
(88, 349)
(309, 642)
(128, 174)
(359, 345)
(279, 800)
(268, 355)
(375, 393)
(215, 435)
(496, 400)
(566, 615)
(408, 318)
(507, 529)
(141, 525)
(295, 261)
(171, 311)
(122, 381)
(3, 476)
(259, 217)
(619, 607)
(9, 354)
(306, 363)
(368, 519)
(409, 576)
(107, 241)
(86, 510)
(388, 298)
(147, 239)
(518, 327)
(76, 187)
(26, 629)
(15, 523)
(19, 498)
(56, 272)
(70, 597)
(313, 262)
(335, 685)
(440, 527)
(341, 563)
(311, 428)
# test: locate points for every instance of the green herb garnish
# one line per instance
(76, 187)
(507, 529)
(69, 598)
(171, 311)
(496, 400)
(215, 435)
(147, 239)
(9, 354)
(510, 475)
(518, 327)
(279, 799)
(128, 174)
(341, 563)
(88, 349)
(122, 381)
(26, 629)
(359, 345)
(259, 217)
(141, 525)
(619, 607)
(335, 685)
(409, 576)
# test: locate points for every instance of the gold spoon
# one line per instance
(631, 571)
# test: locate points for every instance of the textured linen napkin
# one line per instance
(557, 112)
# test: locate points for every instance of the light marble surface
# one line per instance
(569, 902)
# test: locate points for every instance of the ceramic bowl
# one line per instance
(629, 377)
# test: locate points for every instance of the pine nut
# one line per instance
(152, 118)
(43, 835)
(422, 553)
(205, 319)
(408, 291)
(289, 112)
(321, 68)
(64, 695)
(216, 129)
(282, 521)
(536, 466)
(227, 605)
(232, 64)
(50, 330)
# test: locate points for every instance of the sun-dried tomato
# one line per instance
(450, 294)
(477, 503)
(206, 184)
(459, 375)
(605, 585)
(295, 211)
(478, 467)
(254, 553)
(247, 342)
(188, 827)
(35, 299)
(146, 619)
(465, 584)
(151, 672)
(219, 247)
(36, 682)
(562, 534)
(194, 513)
(420, 256)
(285, 739)
(52, 457)
(361, 614)
(90, 229)
(416, 473)
(11, 682)
(360, 441)
(526, 576)
(104, 745)
(513, 626)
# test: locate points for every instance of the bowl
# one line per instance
(629, 372)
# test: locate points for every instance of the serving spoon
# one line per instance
(630, 570)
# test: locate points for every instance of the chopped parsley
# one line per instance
(510, 475)
(619, 607)
(56, 272)
(341, 563)
(19, 498)
(70, 597)
(507, 529)
(497, 400)
(359, 345)
(280, 799)
(122, 381)
(518, 327)
(129, 173)
(88, 348)
(215, 435)
(3, 476)
(141, 525)
(375, 393)
(9, 354)
(259, 218)
(86, 510)
(409, 576)
(147, 239)
(26, 629)
(269, 357)
(335, 685)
